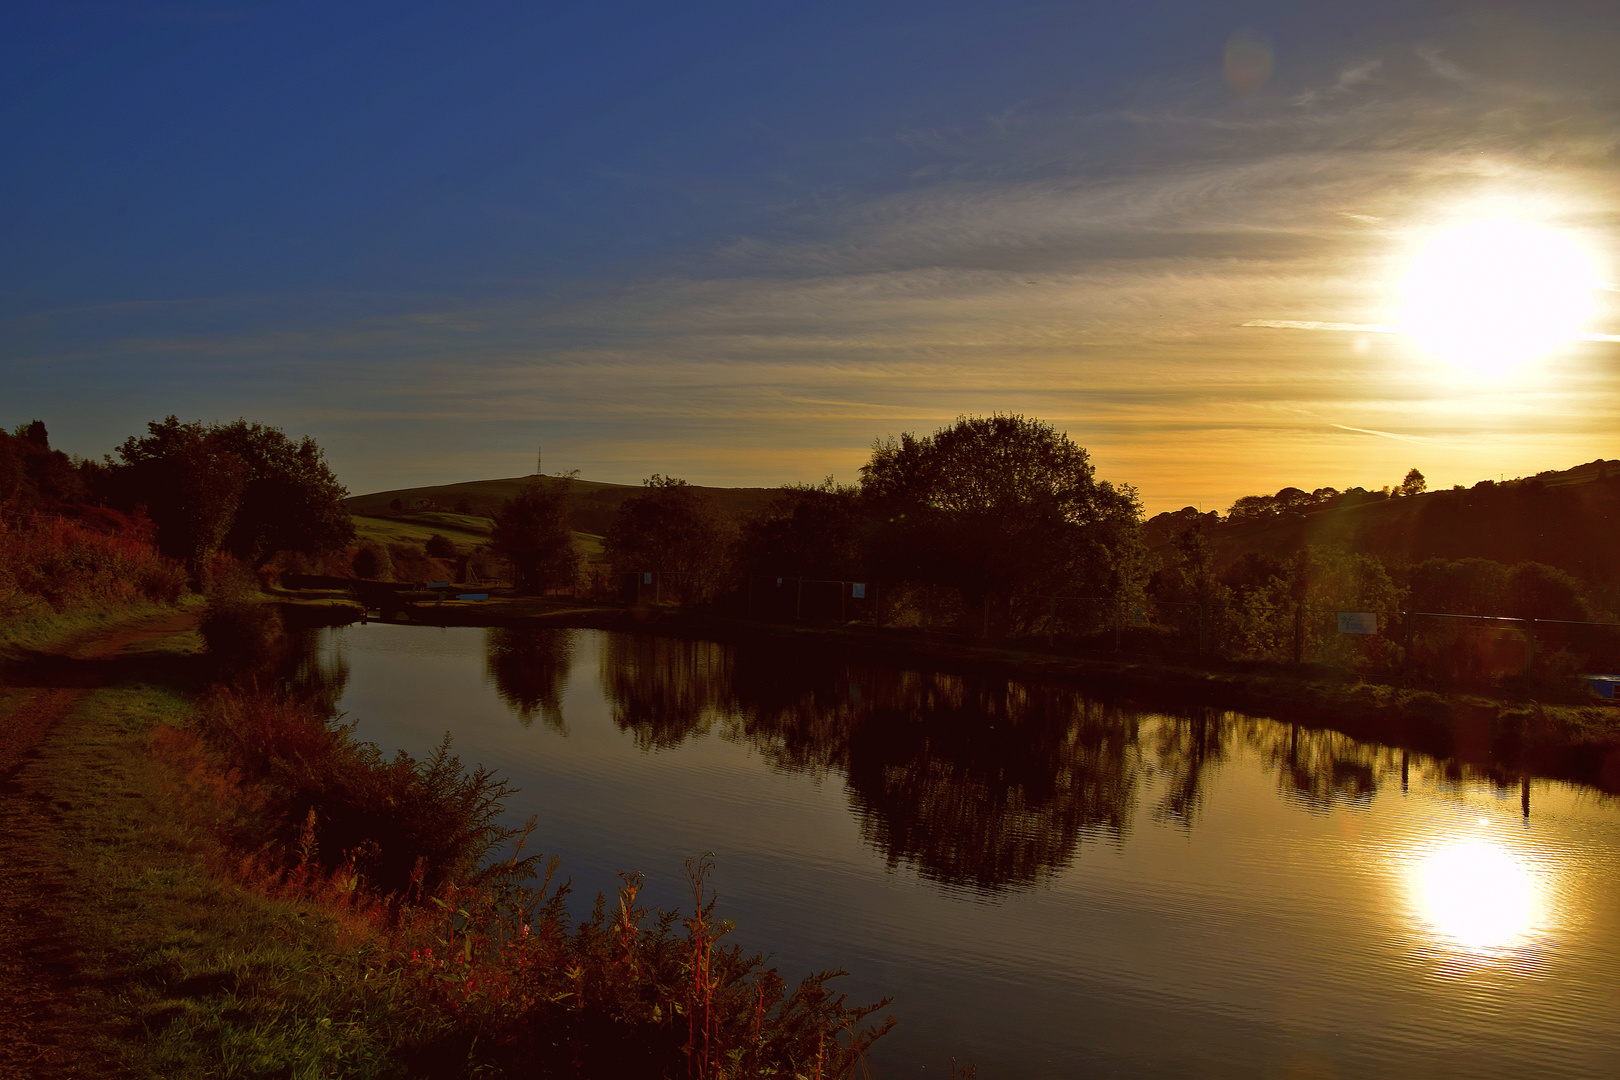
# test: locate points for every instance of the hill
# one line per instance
(593, 505)
(1569, 519)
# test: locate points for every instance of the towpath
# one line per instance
(49, 1029)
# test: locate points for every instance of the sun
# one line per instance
(1491, 295)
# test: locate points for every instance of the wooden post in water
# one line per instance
(1524, 794)
(1403, 772)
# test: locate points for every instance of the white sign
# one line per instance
(1139, 616)
(646, 579)
(1358, 622)
(857, 589)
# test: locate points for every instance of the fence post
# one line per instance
(1406, 661)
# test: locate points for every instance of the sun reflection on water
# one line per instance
(1478, 896)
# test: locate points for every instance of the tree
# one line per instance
(440, 547)
(808, 531)
(533, 534)
(671, 528)
(999, 505)
(1414, 484)
(242, 487)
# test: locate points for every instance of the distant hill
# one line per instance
(1568, 519)
(593, 505)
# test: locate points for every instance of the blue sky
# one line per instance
(738, 242)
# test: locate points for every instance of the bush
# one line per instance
(372, 562)
(328, 799)
(62, 564)
(243, 637)
(440, 547)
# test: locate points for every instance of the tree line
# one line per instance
(994, 507)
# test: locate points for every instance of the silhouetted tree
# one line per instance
(808, 531)
(33, 475)
(999, 505)
(533, 534)
(242, 487)
(1414, 484)
(670, 527)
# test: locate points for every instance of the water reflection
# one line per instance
(313, 676)
(990, 785)
(529, 669)
(664, 690)
(1189, 748)
(1322, 768)
(976, 782)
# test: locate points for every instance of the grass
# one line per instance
(193, 975)
(416, 526)
(37, 630)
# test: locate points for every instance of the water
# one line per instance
(1047, 884)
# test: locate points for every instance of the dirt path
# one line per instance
(45, 1029)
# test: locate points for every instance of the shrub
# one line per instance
(372, 561)
(243, 637)
(62, 564)
(440, 547)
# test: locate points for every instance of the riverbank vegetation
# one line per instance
(254, 892)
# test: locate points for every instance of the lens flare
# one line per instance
(1491, 295)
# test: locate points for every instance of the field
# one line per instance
(593, 505)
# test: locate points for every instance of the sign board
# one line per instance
(857, 589)
(646, 579)
(473, 596)
(1139, 615)
(1358, 622)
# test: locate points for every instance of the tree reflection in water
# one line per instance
(313, 677)
(530, 668)
(988, 784)
(1187, 747)
(665, 689)
(976, 781)
(1321, 768)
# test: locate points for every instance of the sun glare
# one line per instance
(1474, 893)
(1492, 295)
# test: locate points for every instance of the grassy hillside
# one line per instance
(1568, 519)
(593, 505)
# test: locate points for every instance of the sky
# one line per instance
(738, 242)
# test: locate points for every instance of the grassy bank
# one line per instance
(174, 969)
(223, 883)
